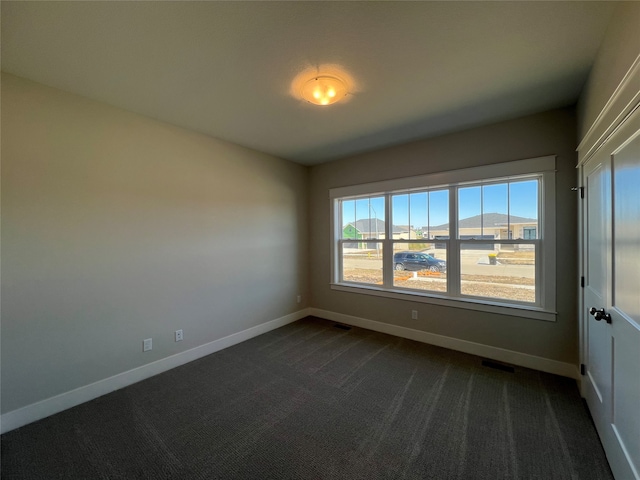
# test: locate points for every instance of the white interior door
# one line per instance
(612, 296)
(597, 183)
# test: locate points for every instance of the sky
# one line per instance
(432, 208)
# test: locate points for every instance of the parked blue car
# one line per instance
(415, 261)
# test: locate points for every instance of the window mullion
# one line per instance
(338, 275)
(387, 245)
(539, 284)
(336, 246)
(453, 255)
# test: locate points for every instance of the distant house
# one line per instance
(406, 232)
(497, 226)
(489, 225)
(363, 229)
(350, 231)
(374, 229)
(366, 228)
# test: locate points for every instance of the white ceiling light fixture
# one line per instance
(324, 90)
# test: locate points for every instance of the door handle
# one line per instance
(600, 314)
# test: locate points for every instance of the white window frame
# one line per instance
(545, 281)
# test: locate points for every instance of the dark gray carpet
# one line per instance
(312, 401)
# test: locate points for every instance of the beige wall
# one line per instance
(538, 135)
(619, 49)
(117, 228)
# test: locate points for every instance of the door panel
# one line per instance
(596, 176)
(625, 303)
(626, 292)
(626, 393)
(599, 345)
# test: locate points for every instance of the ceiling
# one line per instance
(418, 69)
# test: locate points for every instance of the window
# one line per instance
(363, 225)
(480, 238)
(529, 233)
(417, 218)
(487, 218)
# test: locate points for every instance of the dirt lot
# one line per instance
(513, 288)
(517, 258)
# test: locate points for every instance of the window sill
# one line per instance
(514, 310)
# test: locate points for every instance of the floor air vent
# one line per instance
(342, 327)
(498, 366)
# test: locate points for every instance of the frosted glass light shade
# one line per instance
(324, 90)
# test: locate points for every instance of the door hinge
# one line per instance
(583, 369)
(582, 282)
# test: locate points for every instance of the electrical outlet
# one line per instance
(147, 345)
(299, 298)
(178, 335)
(414, 314)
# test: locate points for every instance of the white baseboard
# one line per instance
(487, 351)
(44, 408)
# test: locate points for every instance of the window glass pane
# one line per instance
(523, 209)
(422, 215)
(418, 214)
(420, 269)
(400, 216)
(505, 272)
(469, 211)
(495, 205)
(437, 215)
(362, 264)
(348, 219)
(363, 218)
(410, 215)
